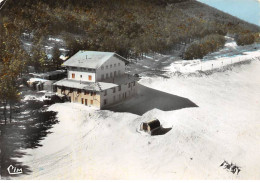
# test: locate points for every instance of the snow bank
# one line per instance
(94, 144)
(33, 97)
(32, 80)
(55, 39)
(232, 45)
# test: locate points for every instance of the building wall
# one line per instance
(118, 96)
(111, 97)
(77, 97)
(109, 67)
(82, 75)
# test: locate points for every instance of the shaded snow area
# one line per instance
(94, 144)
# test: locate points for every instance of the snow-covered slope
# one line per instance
(93, 144)
(229, 55)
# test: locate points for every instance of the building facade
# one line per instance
(96, 79)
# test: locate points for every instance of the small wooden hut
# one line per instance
(150, 126)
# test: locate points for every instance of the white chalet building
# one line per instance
(96, 79)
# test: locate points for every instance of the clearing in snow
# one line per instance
(95, 144)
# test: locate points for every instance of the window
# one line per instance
(105, 101)
(86, 101)
(102, 67)
(102, 76)
(111, 66)
(111, 74)
(85, 92)
(80, 76)
(106, 66)
(129, 85)
(105, 93)
(89, 77)
(73, 76)
(82, 100)
(119, 88)
(114, 90)
(115, 73)
(54, 88)
(94, 93)
(107, 75)
(78, 91)
(91, 102)
(71, 90)
(114, 65)
(134, 83)
(91, 93)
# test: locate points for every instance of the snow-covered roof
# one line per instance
(85, 85)
(91, 59)
(47, 74)
(32, 80)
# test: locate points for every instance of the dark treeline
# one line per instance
(130, 28)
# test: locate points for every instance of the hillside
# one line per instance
(130, 28)
(208, 107)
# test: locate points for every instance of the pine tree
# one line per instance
(56, 58)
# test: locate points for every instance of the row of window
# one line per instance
(85, 101)
(80, 69)
(73, 76)
(111, 75)
(111, 66)
(124, 95)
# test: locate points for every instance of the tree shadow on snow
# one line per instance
(26, 132)
(148, 99)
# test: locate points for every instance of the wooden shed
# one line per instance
(150, 126)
